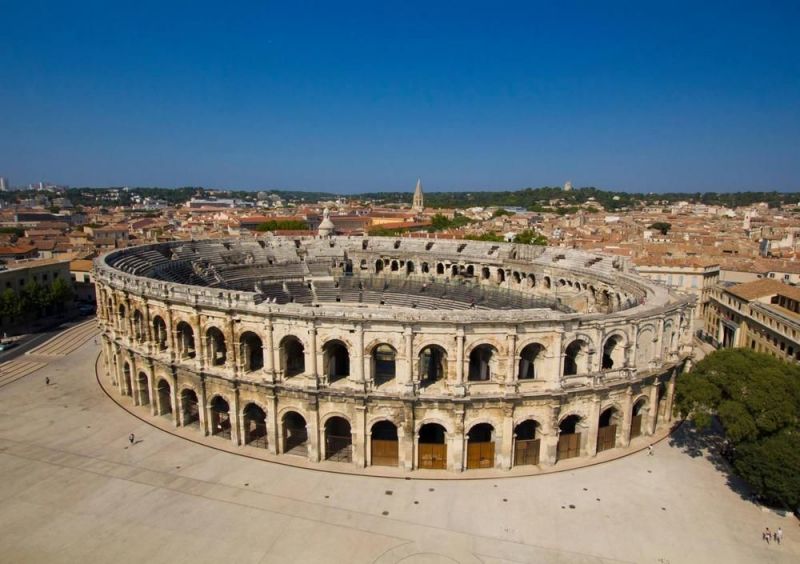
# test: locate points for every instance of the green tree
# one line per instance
(530, 237)
(490, 236)
(756, 398)
(60, 293)
(501, 212)
(283, 225)
(34, 297)
(661, 226)
(10, 305)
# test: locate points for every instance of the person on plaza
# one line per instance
(649, 450)
(131, 438)
(767, 535)
(47, 381)
(778, 535)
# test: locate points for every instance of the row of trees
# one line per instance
(35, 299)
(282, 225)
(756, 399)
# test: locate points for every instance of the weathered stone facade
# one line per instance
(454, 388)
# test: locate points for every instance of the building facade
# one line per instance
(448, 355)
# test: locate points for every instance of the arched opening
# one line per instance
(531, 280)
(338, 440)
(185, 340)
(470, 270)
(480, 446)
(138, 326)
(547, 284)
(454, 270)
(127, 387)
(515, 276)
(384, 444)
(220, 418)
(378, 266)
(255, 426)
(363, 264)
(252, 351)
(637, 417)
(160, 333)
(190, 408)
(569, 438)
(432, 364)
(432, 447)
(530, 361)
(395, 266)
(607, 429)
(121, 316)
(576, 358)
(440, 268)
(293, 357)
(164, 399)
(217, 352)
(295, 434)
(481, 363)
(501, 275)
(142, 389)
(613, 353)
(409, 267)
(645, 346)
(335, 360)
(384, 364)
(424, 268)
(485, 273)
(527, 443)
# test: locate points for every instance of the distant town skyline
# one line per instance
(362, 97)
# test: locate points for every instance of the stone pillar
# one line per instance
(460, 389)
(231, 352)
(151, 391)
(199, 343)
(173, 398)
(549, 444)
(269, 351)
(409, 352)
(506, 458)
(172, 336)
(237, 421)
(358, 358)
(202, 411)
(652, 412)
(627, 415)
(312, 337)
(274, 444)
(456, 447)
(593, 424)
(511, 356)
(670, 395)
(360, 437)
(314, 432)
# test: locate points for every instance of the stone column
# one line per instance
(511, 344)
(231, 352)
(359, 434)
(312, 337)
(358, 358)
(314, 432)
(274, 445)
(237, 421)
(460, 389)
(406, 436)
(670, 394)
(506, 457)
(549, 445)
(199, 343)
(627, 415)
(408, 384)
(203, 408)
(173, 398)
(593, 424)
(652, 413)
(269, 351)
(457, 443)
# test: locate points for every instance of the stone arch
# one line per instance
(295, 433)
(432, 445)
(378, 266)
(613, 352)
(216, 348)
(190, 407)
(639, 409)
(142, 389)
(383, 357)
(185, 337)
(645, 345)
(409, 267)
(439, 268)
(569, 437)
(127, 379)
(220, 416)
(547, 283)
(139, 332)
(608, 425)
(501, 275)
(384, 443)
(164, 397)
(485, 273)
(252, 351)
(338, 438)
(480, 446)
(335, 360)
(483, 362)
(432, 364)
(527, 442)
(254, 418)
(424, 268)
(160, 333)
(292, 356)
(531, 361)
(576, 357)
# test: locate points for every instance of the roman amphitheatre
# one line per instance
(414, 354)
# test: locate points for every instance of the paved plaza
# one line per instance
(74, 489)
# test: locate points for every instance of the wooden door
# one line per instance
(384, 453)
(606, 438)
(432, 456)
(636, 426)
(569, 445)
(480, 455)
(526, 452)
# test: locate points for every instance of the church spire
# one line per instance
(418, 205)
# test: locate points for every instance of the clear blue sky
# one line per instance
(352, 97)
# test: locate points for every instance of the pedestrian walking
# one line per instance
(649, 450)
(779, 535)
(131, 438)
(47, 381)
(767, 536)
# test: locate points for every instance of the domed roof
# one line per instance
(326, 227)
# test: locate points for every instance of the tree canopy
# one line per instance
(756, 398)
(662, 226)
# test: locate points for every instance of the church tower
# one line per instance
(418, 206)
